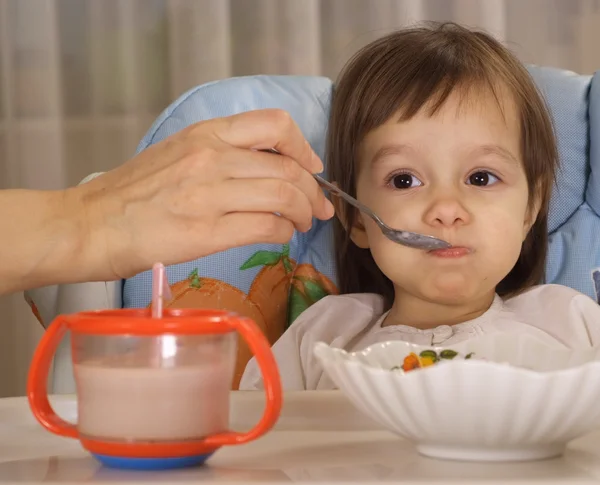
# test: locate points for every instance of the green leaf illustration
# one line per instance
(261, 258)
(287, 264)
(195, 281)
(314, 290)
(297, 304)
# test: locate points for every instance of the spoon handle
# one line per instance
(348, 198)
(339, 192)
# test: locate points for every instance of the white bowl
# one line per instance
(525, 401)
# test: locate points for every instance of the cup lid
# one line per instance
(139, 322)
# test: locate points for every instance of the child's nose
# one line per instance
(447, 210)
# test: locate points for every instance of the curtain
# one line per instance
(81, 80)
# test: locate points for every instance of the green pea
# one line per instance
(448, 354)
(432, 354)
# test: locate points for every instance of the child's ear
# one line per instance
(357, 232)
(531, 215)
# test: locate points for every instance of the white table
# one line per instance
(319, 438)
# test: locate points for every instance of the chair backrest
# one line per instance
(273, 284)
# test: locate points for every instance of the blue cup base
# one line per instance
(126, 463)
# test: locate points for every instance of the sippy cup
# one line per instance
(152, 393)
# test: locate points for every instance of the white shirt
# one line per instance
(554, 314)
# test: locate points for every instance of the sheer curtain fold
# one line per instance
(81, 80)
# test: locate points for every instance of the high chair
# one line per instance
(273, 284)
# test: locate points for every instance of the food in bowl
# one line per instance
(429, 357)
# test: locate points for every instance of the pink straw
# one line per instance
(161, 291)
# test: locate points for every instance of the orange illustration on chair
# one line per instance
(281, 290)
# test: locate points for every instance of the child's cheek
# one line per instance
(503, 220)
(398, 212)
(503, 236)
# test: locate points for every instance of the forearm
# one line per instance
(42, 239)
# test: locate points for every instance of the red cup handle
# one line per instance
(37, 380)
(261, 349)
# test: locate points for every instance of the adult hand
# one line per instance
(201, 191)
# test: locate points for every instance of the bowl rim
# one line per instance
(462, 366)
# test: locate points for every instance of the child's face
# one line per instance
(458, 176)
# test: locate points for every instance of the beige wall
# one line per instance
(81, 80)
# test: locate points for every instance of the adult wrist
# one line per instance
(95, 211)
(72, 258)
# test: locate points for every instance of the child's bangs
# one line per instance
(403, 84)
(429, 95)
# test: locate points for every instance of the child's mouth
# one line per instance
(452, 252)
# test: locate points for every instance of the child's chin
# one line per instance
(452, 289)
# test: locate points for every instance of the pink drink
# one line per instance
(127, 403)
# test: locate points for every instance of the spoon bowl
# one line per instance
(406, 238)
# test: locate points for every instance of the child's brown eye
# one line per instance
(482, 179)
(405, 181)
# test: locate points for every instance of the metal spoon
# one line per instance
(410, 239)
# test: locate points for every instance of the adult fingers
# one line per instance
(245, 164)
(268, 128)
(244, 228)
(266, 195)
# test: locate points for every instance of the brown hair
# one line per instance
(420, 67)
